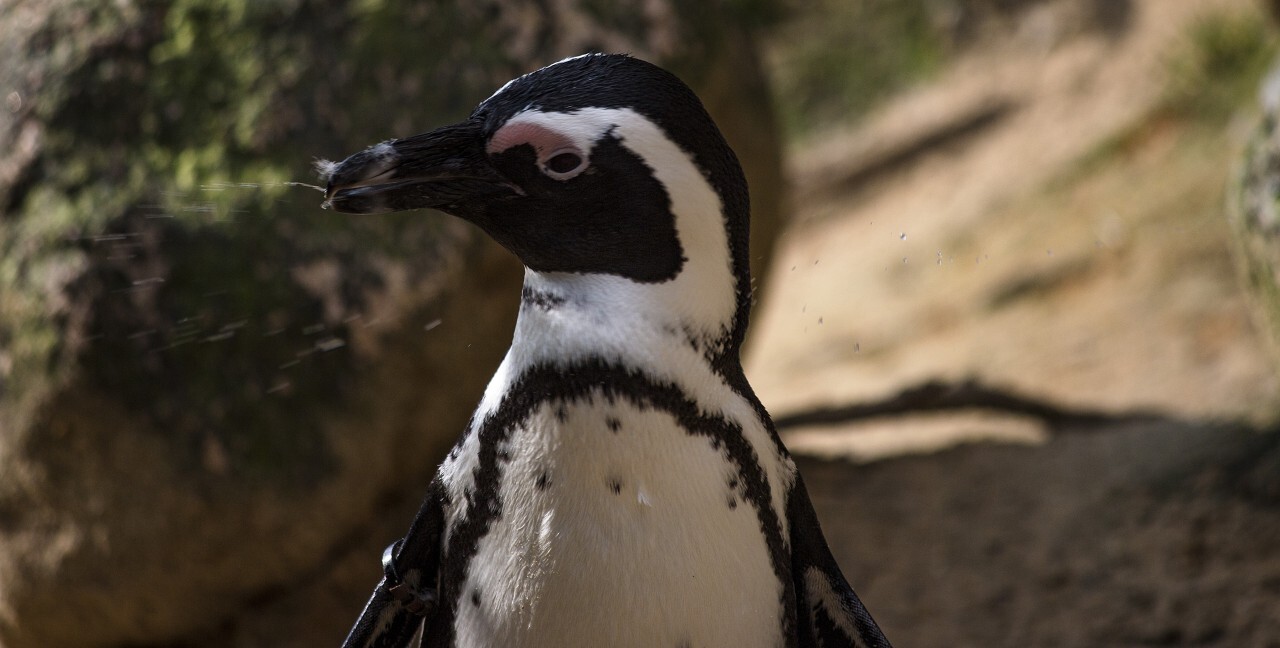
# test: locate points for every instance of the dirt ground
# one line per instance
(1030, 221)
(1137, 535)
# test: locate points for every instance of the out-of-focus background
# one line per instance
(1018, 305)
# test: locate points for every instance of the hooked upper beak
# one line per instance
(440, 169)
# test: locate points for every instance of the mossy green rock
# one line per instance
(217, 400)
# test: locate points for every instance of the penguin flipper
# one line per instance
(828, 613)
(407, 595)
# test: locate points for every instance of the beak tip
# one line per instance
(359, 200)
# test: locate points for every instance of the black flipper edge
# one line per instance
(407, 594)
(828, 612)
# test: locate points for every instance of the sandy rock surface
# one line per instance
(1000, 253)
(1030, 220)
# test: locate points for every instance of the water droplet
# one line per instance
(330, 344)
(13, 102)
(857, 348)
(432, 324)
(819, 320)
(902, 236)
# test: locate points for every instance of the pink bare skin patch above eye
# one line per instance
(543, 139)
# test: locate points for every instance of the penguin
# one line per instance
(620, 484)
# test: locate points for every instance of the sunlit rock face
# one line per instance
(218, 402)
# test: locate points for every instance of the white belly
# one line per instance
(631, 537)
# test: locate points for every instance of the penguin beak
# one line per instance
(443, 169)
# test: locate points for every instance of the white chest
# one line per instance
(618, 527)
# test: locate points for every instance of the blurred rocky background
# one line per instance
(218, 402)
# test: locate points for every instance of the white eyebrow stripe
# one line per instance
(578, 128)
(543, 139)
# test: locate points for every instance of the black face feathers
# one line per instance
(620, 81)
(613, 219)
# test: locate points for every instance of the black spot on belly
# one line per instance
(562, 414)
(615, 485)
(544, 480)
(475, 597)
(733, 502)
(613, 423)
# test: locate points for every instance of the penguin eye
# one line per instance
(564, 164)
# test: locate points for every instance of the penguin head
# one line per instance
(597, 165)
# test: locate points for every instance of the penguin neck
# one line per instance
(579, 316)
